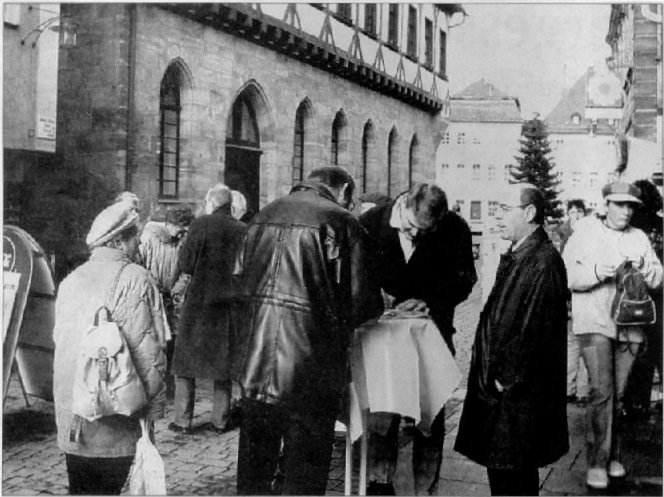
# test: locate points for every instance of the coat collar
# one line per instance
(318, 188)
(534, 239)
(223, 209)
(108, 254)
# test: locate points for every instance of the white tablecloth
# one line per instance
(403, 366)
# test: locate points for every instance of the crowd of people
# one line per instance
(269, 302)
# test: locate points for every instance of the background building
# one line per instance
(635, 37)
(584, 147)
(30, 62)
(167, 99)
(474, 161)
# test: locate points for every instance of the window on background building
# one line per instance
(493, 208)
(370, 18)
(413, 157)
(476, 140)
(507, 174)
(594, 180)
(393, 25)
(169, 152)
(476, 172)
(446, 138)
(461, 138)
(442, 53)
(411, 48)
(611, 177)
(344, 10)
(428, 43)
(576, 118)
(444, 168)
(367, 144)
(461, 166)
(475, 210)
(576, 179)
(335, 142)
(11, 14)
(492, 173)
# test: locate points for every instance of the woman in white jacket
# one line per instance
(592, 256)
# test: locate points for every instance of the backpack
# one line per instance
(632, 304)
(105, 380)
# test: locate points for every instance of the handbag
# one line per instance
(147, 475)
(632, 304)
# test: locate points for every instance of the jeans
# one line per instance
(427, 454)
(523, 481)
(97, 475)
(185, 393)
(308, 438)
(609, 363)
(577, 374)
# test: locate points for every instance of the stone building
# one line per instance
(635, 38)
(167, 99)
(582, 128)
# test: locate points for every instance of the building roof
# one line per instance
(483, 102)
(590, 90)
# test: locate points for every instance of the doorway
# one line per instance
(243, 153)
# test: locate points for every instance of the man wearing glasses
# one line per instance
(424, 260)
(514, 417)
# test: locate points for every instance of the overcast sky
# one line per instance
(530, 51)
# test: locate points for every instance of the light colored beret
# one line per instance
(110, 222)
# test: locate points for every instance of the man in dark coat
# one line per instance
(514, 418)
(306, 285)
(205, 343)
(424, 259)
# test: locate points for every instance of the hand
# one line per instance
(499, 387)
(413, 305)
(605, 271)
(638, 262)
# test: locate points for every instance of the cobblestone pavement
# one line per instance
(205, 463)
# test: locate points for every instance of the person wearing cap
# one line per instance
(592, 256)
(99, 461)
(204, 346)
(158, 251)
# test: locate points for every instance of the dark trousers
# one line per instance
(307, 436)
(97, 475)
(522, 481)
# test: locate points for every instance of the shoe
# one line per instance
(375, 488)
(597, 478)
(179, 429)
(616, 470)
(216, 429)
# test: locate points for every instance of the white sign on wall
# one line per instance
(46, 128)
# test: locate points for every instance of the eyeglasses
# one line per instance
(509, 208)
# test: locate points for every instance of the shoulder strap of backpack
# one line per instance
(111, 294)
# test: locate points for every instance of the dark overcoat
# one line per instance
(441, 270)
(206, 337)
(521, 341)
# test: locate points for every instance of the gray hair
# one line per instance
(219, 195)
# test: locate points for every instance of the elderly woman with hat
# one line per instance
(592, 256)
(99, 458)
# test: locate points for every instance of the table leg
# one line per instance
(363, 453)
(348, 477)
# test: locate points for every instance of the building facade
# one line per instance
(583, 147)
(635, 37)
(30, 65)
(167, 99)
(478, 150)
(474, 161)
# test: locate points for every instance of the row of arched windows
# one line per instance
(339, 145)
(243, 140)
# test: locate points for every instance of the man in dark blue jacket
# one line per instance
(424, 259)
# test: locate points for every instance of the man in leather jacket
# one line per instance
(305, 286)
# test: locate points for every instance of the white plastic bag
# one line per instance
(147, 476)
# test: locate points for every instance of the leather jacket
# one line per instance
(305, 287)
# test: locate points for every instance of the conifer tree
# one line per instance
(535, 166)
